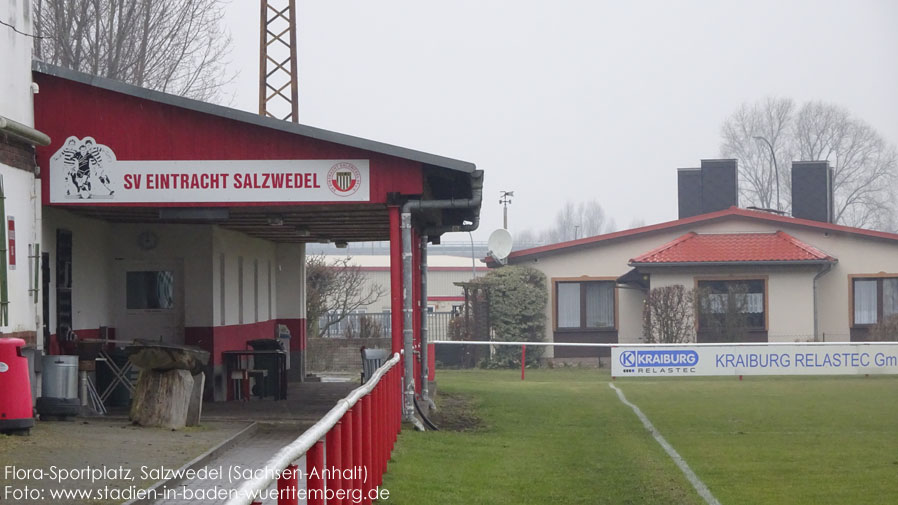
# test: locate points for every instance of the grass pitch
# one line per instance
(563, 437)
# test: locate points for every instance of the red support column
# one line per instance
(388, 415)
(346, 457)
(333, 446)
(395, 279)
(357, 459)
(315, 464)
(397, 399)
(376, 440)
(287, 486)
(357, 442)
(383, 432)
(366, 447)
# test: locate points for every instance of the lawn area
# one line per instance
(563, 437)
(781, 440)
(560, 437)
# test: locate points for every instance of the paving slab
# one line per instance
(107, 457)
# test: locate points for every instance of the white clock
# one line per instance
(147, 240)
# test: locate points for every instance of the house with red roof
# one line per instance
(797, 277)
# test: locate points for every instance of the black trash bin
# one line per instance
(270, 362)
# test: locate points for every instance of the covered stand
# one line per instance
(181, 222)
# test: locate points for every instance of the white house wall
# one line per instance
(91, 273)
(15, 61)
(790, 291)
(22, 204)
(856, 255)
(440, 283)
(20, 188)
(235, 248)
(186, 244)
(790, 308)
(608, 261)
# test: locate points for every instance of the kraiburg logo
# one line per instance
(666, 358)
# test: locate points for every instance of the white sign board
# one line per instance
(85, 172)
(754, 359)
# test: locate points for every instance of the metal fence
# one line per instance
(358, 433)
(379, 324)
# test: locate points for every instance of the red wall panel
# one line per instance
(141, 129)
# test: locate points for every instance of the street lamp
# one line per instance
(776, 169)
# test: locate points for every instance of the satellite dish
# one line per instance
(499, 245)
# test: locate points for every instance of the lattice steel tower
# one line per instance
(278, 88)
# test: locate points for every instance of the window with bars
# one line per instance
(585, 305)
(874, 298)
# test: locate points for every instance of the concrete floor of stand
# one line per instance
(279, 423)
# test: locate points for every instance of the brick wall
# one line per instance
(16, 154)
(339, 354)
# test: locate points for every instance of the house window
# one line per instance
(730, 304)
(585, 305)
(874, 299)
(151, 290)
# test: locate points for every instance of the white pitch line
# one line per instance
(693, 479)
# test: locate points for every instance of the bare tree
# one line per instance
(864, 164)
(336, 290)
(526, 239)
(175, 46)
(574, 221)
(667, 316)
(742, 132)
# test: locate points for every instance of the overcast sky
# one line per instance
(572, 100)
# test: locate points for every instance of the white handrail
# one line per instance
(640, 344)
(293, 451)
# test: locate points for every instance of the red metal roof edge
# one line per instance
(732, 211)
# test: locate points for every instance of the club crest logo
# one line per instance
(344, 179)
(82, 167)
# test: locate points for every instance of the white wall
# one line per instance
(15, 62)
(439, 283)
(91, 272)
(790, 308)
(189, 245)
(790, 291)
(22, 203)
(21, 190)
(290, 273)
(234, 246)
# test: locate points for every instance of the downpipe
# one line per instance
(827, 268)
(408, 397)
(425, 349)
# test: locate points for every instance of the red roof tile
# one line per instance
(733, 248)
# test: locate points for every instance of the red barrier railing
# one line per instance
(356, 438)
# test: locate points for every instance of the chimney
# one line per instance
(812, 190)
(720, 185)
(689, 192)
